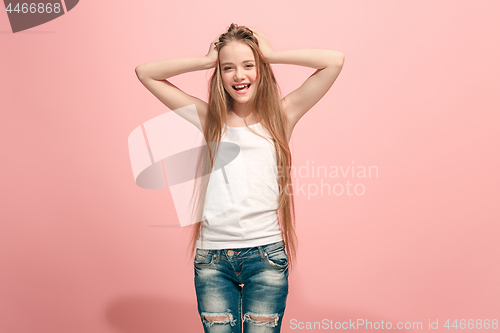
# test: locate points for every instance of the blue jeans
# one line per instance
(225, 305)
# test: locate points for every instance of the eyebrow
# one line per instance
(230, 63)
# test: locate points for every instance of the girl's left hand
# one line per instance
(264, 44)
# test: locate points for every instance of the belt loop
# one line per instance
(261, 252)
(216, 256)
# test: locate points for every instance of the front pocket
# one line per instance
(204, 258)
(277, 258)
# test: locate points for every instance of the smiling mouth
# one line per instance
(241, 87)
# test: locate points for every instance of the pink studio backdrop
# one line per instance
(84, 249)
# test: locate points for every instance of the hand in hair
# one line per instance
(212, 52)
(264, 44)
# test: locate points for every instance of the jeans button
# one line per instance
(230, 253)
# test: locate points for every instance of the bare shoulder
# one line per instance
(198, 119)
(202, 109)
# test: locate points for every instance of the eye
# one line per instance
(227, 67)
(249, 65)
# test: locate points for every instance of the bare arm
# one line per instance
(153, 76)
(314, 58)
(328, 63)
(163, 69)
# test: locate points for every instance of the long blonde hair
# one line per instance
(267, 104)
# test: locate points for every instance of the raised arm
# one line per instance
(153, 76)
(328, 64)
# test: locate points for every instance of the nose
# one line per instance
(239, 75)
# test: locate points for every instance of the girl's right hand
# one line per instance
(212, 54)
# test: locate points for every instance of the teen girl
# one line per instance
(242, 256)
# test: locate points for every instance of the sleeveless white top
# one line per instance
(242, 195)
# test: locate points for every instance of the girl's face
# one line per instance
(238, 71)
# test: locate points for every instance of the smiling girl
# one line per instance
(242, 256)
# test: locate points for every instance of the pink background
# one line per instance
(84, 249)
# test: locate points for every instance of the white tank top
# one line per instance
(242, 196)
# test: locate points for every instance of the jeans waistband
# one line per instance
(237, 253)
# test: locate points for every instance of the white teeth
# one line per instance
(242, 86)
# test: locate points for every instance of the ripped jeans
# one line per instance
(242, 289)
